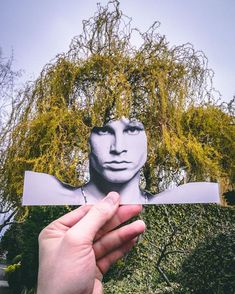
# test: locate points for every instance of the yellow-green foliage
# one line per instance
(103, 77)
(11, 268)
(13, 276)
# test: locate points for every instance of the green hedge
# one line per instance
(183, 228)
(211, 266)
(190, 235)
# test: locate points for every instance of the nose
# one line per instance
(118, 144)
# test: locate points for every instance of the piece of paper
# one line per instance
(118, 151)
(44, 189)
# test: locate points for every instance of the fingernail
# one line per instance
(143, 223)
(112, 197)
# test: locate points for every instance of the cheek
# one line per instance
(143, 151)
(99, 149)
(138, 146)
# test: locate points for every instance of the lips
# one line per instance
(117, 165)
(117, 162)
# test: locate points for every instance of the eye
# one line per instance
(133, 130)
(102, 131)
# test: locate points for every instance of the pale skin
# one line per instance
(118, 151)
(76, 250)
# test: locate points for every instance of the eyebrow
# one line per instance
(105, 127)
(131, 123)
(135, 123)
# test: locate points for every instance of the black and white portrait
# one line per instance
(118, 151)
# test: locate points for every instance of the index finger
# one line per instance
(87, 228)
(74, 216)
(124, 213)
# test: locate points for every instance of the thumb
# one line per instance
(96, 218)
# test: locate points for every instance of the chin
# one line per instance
(118, 177)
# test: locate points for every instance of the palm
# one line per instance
(79, 250)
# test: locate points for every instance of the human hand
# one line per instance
(78, 248)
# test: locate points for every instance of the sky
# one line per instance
(37, 30)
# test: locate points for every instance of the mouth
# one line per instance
(117, 162)
(117, 165)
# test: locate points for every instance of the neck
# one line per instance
(98, 188)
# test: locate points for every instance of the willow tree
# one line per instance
(8, 100)
(105, 76)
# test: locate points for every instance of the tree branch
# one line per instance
(8, 221)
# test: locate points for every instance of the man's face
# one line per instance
(118, 150)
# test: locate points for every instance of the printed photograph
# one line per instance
(118, 152)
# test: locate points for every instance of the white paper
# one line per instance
(44, 189)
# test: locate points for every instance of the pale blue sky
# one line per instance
(37, 30)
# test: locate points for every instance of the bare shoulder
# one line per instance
(196, 192)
